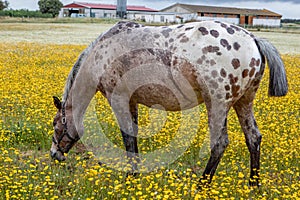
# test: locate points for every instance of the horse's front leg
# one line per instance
(130, 138)
(128, 122)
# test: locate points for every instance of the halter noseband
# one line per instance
(65, 131)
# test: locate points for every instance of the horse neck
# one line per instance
(80, 95)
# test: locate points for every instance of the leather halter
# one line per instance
(65, 131)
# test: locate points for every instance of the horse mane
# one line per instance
(73, 73)
(121, 26)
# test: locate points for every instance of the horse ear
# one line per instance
(57, 102)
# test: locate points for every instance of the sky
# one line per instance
(290, 9)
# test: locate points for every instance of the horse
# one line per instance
(176, 67)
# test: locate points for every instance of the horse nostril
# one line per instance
(53, 154)
(62, 158)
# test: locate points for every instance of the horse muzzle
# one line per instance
(58, 155)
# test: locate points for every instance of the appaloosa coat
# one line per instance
(176, 67)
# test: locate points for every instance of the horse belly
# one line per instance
(164, 98)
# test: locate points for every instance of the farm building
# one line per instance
(251, 17)
(81, 9)
(176, 13)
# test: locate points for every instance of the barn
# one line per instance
(240, 16)
(97, 10)
(177, 13)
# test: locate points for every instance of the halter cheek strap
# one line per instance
(65, 131)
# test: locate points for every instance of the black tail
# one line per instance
(278, 85)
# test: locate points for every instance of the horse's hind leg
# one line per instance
(217, 119)
(253, 137)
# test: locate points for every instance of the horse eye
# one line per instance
(54, 123)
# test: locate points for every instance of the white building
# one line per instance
(240, 16)
(98, 10)
(177, 13)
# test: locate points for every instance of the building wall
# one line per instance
(222, 19)
(176, 9)
(179, 15)
(266, 22)
(99, 13)
(151, 17)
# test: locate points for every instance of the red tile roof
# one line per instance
(106, 6)
(222, 10)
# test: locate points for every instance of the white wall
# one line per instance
(102, 13)
(266, 22)
(151, 17)
(176, 9)
(221, 19)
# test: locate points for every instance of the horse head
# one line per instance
(65, 134)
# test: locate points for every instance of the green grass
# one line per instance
(32, 73)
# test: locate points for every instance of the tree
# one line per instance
(3, 5)
(50, 6)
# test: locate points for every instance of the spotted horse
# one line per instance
(176, 67)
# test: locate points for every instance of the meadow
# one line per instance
(35, 60)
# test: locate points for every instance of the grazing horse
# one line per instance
(176, 67)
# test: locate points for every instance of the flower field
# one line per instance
(31, 73)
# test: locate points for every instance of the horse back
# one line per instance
(177, 66)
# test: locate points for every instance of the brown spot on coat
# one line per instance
(228, 96)
(166, 44)
(210, 49)
(166, 32)
(98, 56)
(184, 39)
(214, 84)
(227, 87)
(235, 63)
(189, 28)
(200, 61)
(257, 62)
(230, 30)
(252, 62)
(156, 36)
(180, 35)
(245, 73)
(236, 46)
(225, 44)
(206, 78)
(214, 33)
(212, 62)
(223, 25)
(235, 27)
(175, 61)
(252, 72)
(233, 79)
(234, 90)
(214, 74)
(223, 73)
(203, 30)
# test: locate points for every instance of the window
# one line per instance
(162, 18)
